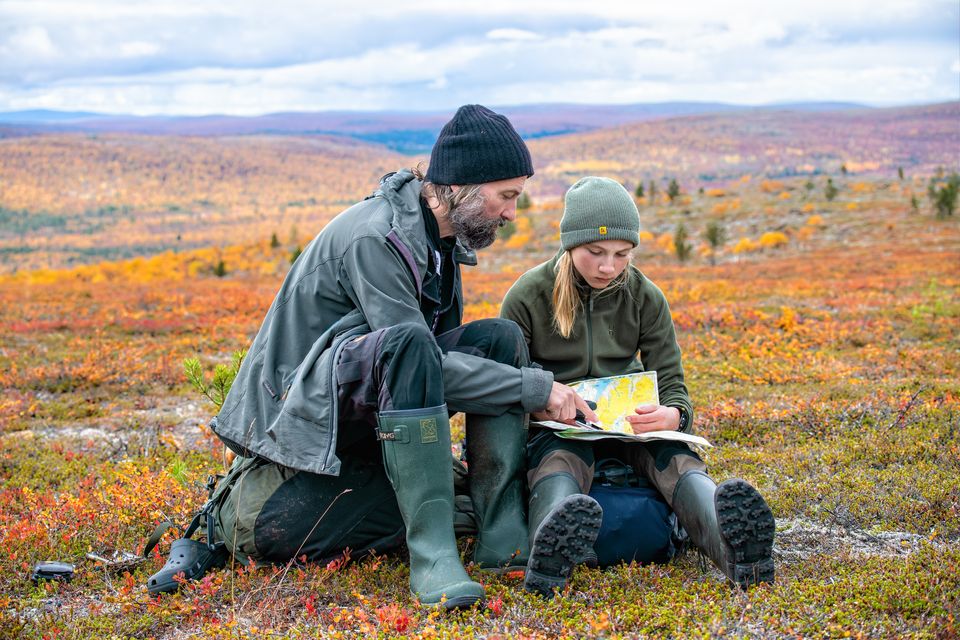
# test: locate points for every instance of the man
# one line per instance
(346, 390)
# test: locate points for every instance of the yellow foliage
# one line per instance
(784, 195)
(788, 319)
(521, 235)
(665, 242)
(744, 245)
(815, 220)
(852, 206)
(646, 236)
(773, 239)
(518, 241)
(808, 208)
(859, 167)
(862, 187)
(715, 193)
(772, 186)
(719, 209)
(803, 233)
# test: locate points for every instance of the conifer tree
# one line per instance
(830, 191)
(680, 245)
(673, 189)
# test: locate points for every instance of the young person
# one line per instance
(589, 313)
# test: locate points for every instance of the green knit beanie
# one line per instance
(598, 209)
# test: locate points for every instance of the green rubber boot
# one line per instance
(730, 523)
(496, 449)
(564, 524)
(416, 454)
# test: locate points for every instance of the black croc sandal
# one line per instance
(191, 558)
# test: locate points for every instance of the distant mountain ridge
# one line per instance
(405, 132)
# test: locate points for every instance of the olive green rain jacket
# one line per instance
(620, 330)
(364, 271)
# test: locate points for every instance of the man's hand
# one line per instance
(654, 417)
(563, 404)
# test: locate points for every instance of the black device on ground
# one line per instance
(52, 570)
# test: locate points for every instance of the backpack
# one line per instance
(638, 525)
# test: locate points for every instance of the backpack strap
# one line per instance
(217, 487)
(617, 473)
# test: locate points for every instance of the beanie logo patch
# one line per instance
(603, 231)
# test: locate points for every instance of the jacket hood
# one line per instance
(402, 191)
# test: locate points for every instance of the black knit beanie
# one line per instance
(478, 146)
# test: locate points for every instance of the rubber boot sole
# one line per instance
(747, 526)
(461, 602)
(561, 541)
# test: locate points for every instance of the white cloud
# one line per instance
(29, 43)
(181, 56)
(512, 34)
(137, 49)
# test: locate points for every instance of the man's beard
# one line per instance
(470, 226)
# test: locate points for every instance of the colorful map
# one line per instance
(618, 396)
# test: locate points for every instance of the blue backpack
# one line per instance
(638, 525)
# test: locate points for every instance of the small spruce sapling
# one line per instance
(223, 376)
(673, 189)
(715, 235)
(682, 248)
(944, 194)
(524, 202)
(830, 191)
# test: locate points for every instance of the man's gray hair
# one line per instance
(447, 198)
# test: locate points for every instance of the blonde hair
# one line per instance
(566, 294)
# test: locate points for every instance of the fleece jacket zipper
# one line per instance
(590, 334)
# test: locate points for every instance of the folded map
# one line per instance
(617, 397)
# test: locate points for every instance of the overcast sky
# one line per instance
(240, 57)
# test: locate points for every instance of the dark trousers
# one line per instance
(662, 462)
(283, 513)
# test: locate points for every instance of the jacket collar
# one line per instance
(402, 191)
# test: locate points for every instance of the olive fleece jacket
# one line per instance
(619, 330)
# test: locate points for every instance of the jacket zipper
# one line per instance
(589, 333)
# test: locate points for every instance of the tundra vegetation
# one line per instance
(819, 338)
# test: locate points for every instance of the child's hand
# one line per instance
(654, 417)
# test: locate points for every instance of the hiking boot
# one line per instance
(496, 450)
(730, 523)
(416, 455)
(564, 525)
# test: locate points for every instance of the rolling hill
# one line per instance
(68, 198)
